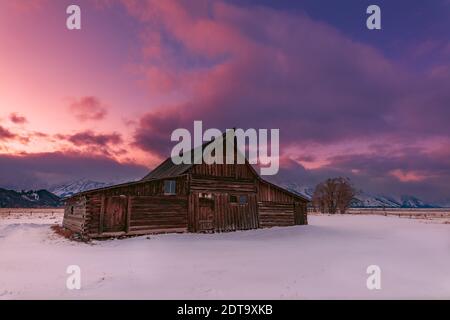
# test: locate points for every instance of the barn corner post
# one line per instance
(102, 215)
(300, 213)
(128, 218)
(190, 206)
(75, 217)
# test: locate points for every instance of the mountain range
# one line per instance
(363, 199)
(46, 198)
(72, 187)
(28, 199)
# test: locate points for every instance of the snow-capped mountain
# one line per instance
(414, 202)
(70, 188)
(366, 200)
(28, 199)
(296, 188)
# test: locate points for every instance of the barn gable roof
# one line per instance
(168, 169)
(288, 191)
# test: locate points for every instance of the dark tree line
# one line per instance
(333, 195)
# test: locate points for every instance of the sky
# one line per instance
(101, 102)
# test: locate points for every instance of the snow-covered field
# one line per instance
(326, 259)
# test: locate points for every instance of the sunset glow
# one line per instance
(102, 102)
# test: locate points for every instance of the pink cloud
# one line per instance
(263, 68)
(408, 176)
(88, 141)
(88, 108)
(91, 138)
(17, 119)
(5, 134)
(269, 69)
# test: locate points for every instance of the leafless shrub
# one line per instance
(333, 195)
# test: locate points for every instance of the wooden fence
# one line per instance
(404, 212)
(400, 212)
(8, 212)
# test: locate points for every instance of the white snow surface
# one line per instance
(324, 260)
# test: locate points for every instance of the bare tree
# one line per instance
(333, 195)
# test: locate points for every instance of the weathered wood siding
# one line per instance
(158, 214)
(300, 213)
(204, 184)
(226, 216)
(221, 181)
(148, 209)
(270, 193)
(95, 203)
(235, 171)
(145, 188)
(277, 207)
(235, 216)
(75, 215)
(273, 214)
(202, 203)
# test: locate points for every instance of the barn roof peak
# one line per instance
(168, 168)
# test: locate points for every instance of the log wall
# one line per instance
(277, 207)
(206, 184)
(227, 216)
(272, 214)
(149, 210)
(235, 171)
(75, 215)
(268, 192)
(235, 216)
(158, 214)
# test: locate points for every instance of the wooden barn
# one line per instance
(185, 198)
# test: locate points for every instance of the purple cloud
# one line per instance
(90, 138)
(263, 68)
(46, 169)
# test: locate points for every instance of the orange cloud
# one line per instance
(407, 176)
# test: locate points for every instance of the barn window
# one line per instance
(170, 187)
(71, 210)
(238, 199)
(243, 199)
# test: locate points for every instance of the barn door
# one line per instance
(205, 215)
(115, 216)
